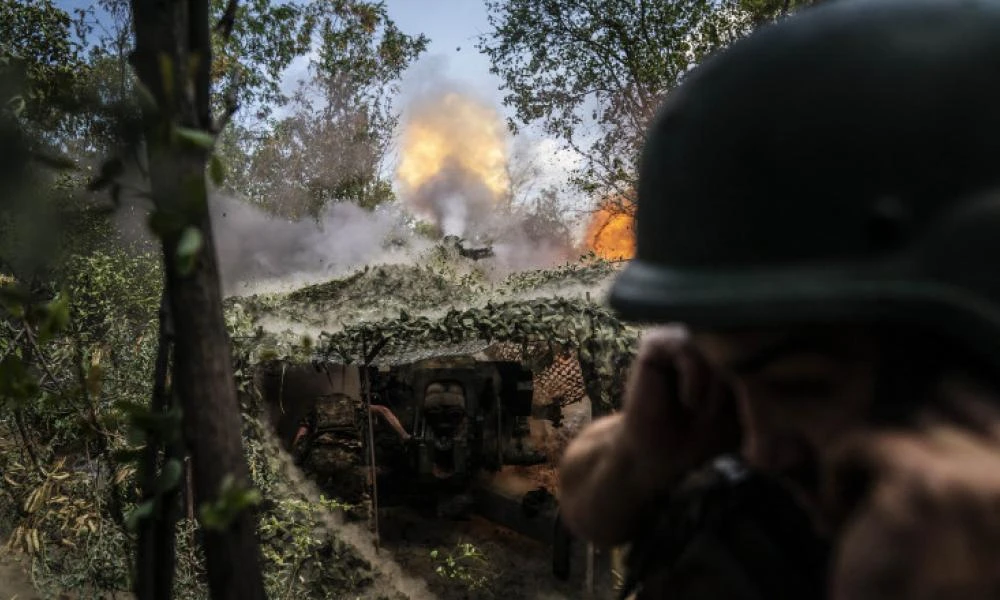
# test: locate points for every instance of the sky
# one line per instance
(452, 27)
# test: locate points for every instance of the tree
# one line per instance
(325, 152)
(765, 11)
(543, 221)
(594, 72)
(173, 58)
(332, 146)
(151, 88)
(523, 173)
(36, 47)
(252, 45)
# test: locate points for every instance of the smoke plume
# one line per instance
(258, 252)
(256, 249)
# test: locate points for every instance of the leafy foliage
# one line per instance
(303, 555)
(92, 357)
(606, 65)
(264, 38)
(62, 513)
(764, 11)
(465, 563)
(112, 288)
(593, 73)
(330, 148)
(233, 499)
(36, 44)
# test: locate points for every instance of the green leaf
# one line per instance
(140, 513)
(146, 99)
(164, 223)
(129, 407)
(167, 74)
(196, 137)
(233, 499)
(188, 248)
(56, 317)
(14, 297)
(216, 170)
(170, 476)
(16, 382)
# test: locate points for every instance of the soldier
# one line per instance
(329, 447)
(819, 205)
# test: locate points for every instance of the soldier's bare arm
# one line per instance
(390, 418)
(301, 433)
(598, 500)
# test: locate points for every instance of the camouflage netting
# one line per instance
(416, 312)
(543, 328)
(377, 292)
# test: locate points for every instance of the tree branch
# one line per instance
(28, 446)
(228, 20)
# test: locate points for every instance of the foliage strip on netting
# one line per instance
(543, 327)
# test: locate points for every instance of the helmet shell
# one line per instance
(839, 165)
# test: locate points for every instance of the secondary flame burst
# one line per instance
(611, 234)
(453, 158)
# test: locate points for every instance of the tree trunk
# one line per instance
(178, 30)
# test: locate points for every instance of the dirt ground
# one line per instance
(515, 567)
(15, 583)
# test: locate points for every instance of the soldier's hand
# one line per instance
(676, 415)
(921, 512)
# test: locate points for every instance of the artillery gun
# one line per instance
(462, 247)
(442, 431)
(464, 414)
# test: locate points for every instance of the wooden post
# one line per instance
(189, 489)
(589, 583)
(372, 474)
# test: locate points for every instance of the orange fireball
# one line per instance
(611, 234)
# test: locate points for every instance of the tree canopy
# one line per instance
(593, 72)
(330, 145)
(38, 50)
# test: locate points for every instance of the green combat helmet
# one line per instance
(841, 165)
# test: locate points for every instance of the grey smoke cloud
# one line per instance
(456, 199)
(254, 246)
